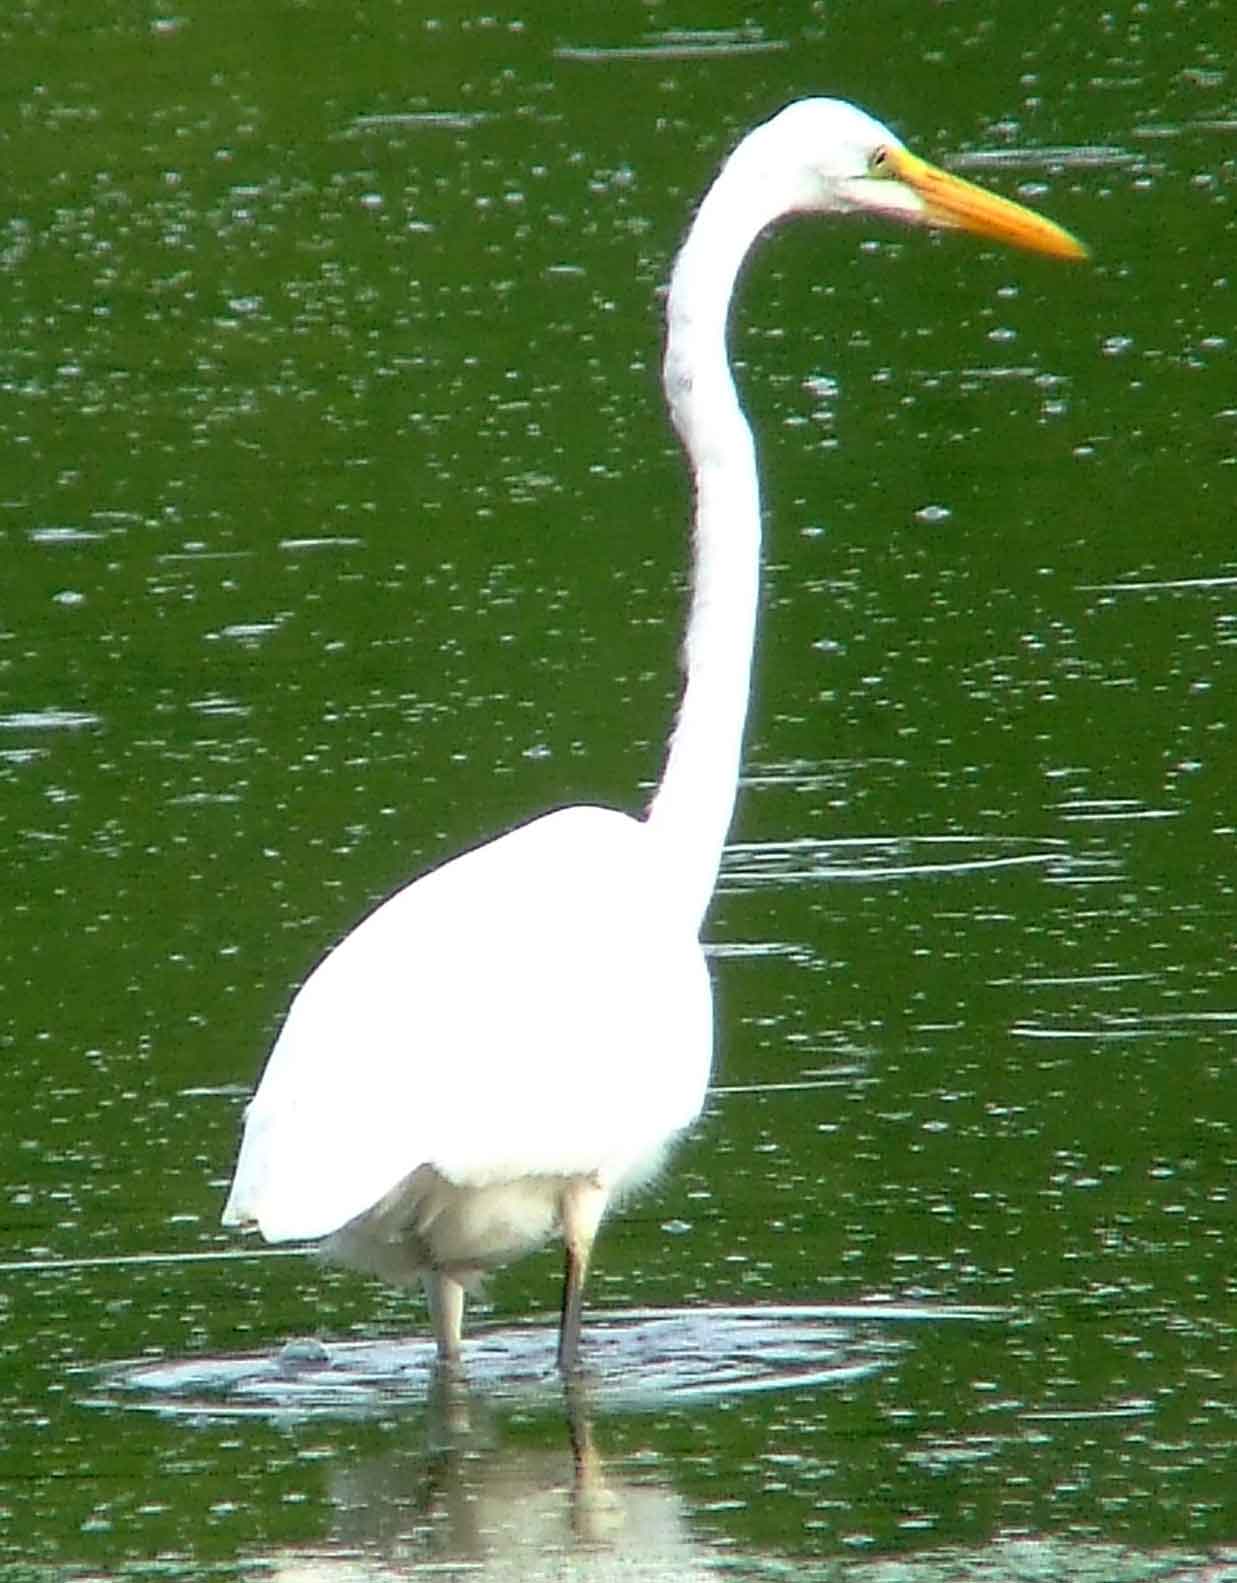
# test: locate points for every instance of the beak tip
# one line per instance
(1072, 250)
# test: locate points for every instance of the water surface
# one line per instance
(342, 529)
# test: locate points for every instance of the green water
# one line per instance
(341, 528)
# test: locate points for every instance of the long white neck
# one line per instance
(693, 806)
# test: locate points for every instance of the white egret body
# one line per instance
(511, 1044)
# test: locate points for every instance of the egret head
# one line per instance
(836, 159)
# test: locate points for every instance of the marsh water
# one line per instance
(342, 528)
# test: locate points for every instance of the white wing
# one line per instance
(530, 1008)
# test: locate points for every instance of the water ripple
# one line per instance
(748, 865)
(49, 720)
(634, 1359)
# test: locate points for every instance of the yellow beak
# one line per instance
(951, 201)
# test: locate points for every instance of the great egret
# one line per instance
(510, 1045)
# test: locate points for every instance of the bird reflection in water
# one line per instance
(515, 1510)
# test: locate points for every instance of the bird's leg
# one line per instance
(596, 1513)
(580, 1211)
(446, 1303)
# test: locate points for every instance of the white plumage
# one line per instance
(494, 962)
(511, 1045)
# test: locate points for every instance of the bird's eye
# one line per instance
(878, 162)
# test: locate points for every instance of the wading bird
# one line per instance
(510, 1045)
